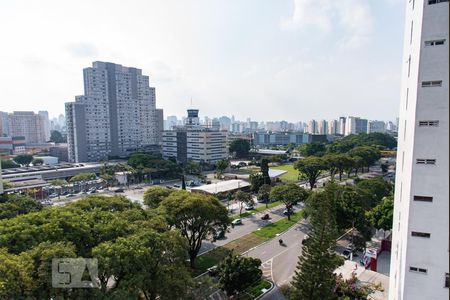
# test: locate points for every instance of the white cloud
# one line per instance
(350, 21)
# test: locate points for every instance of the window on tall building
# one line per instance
(434, 123)
(421, 234)
(435, 43)
(423, 161)
(446, 284)
(418, 270)
(436, 1)
(423, 198)
(433, 83)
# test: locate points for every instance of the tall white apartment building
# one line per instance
(313, 127)
(420, 242)
(355, 125)
(45, 123)
(116, 115)
(29, 125)
(323, 127)
(333, 127)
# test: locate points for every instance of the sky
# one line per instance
(291, 60)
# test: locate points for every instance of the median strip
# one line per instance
(245, 243)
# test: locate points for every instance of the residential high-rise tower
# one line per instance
(420, 243)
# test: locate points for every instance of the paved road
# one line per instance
(249, 224)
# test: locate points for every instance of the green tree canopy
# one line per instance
(236, 273)
(381, 216)
(83, 177)
(312, 149)
(56, 137)
(8, 164)
(265, 171)
(241, 147)
(311, 167)
(264, 193)
(155, 194)
(289, 194)
(12, 205)
(197, 216)
(244, 199)
(256, 181)
(37, 162)
(23, 159)
(221, 165)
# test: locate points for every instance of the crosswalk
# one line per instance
(266, 268)
(218, 295)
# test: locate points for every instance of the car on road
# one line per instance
(176, 186)
(70, 196)
(265, 217)
(213, 271)
(237, 222)
(118, 191)
(138, 188)
(92, 191)
(346, 253)
(54, 195)
(249, 207)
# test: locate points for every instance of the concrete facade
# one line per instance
(29, 125)
(420, 243)
(116, 115)
(194, 142)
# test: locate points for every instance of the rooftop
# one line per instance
(222, 186)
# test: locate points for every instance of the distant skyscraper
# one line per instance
(376, 126)
(342, 126)
(333, 127)
(313, 127)
(159, 125)
(116, 115)
(29, 125)
(355, 125)
(45, 124)
(323, 127)
(420, 240)
(4, 124)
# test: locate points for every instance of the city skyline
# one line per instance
(287, 54)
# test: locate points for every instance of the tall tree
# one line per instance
(144, 263)
(289, 194)
(236, 273)
(243, 198)
(56, 137)
(381, 216)
(197, 217)
(256, 181)
(311, 167)
(314, 278)
(240, 147)
(23, 159)
(264, 193)
(265, 170)
(221, 165)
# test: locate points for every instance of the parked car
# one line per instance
(237, 222)
(119, 190)
(70, 195)
(265, 217)
(249, 207)
(176, 186)
(92, 191)
(305, 239)
(54, 195)
(346, 253)
(287, 212)
(213, 271)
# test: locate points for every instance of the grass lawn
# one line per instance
(271, 230)
(244, 243)
(290, 176)
(256, 210)
(255, 290)
(209, 259)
